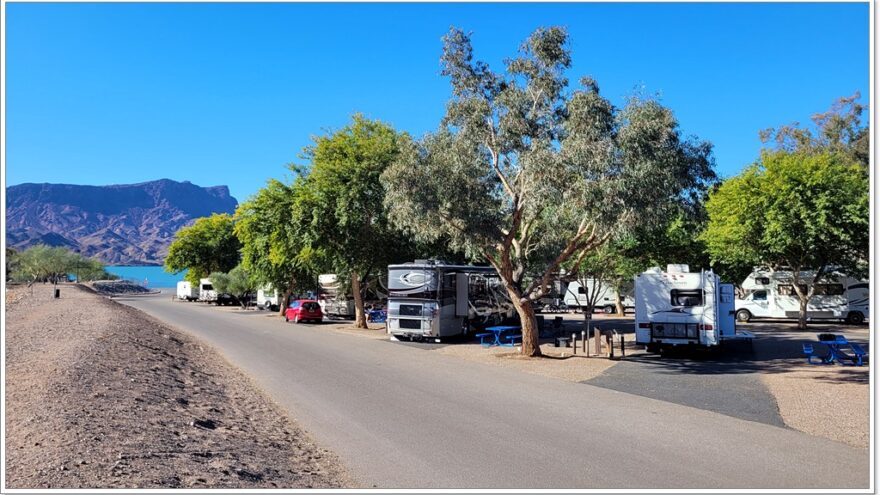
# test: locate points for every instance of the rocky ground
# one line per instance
(99, 395)
(115, 287)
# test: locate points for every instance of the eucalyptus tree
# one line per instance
(839, 130)
(793, 211)
(527, 174)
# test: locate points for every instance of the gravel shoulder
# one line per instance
(100, 395)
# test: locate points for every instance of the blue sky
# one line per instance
(230, 93)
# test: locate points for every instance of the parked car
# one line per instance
(304, 310)
(224, 299)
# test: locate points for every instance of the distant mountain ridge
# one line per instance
(125, 224)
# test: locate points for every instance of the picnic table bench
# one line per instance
(495, 333)
(837, 345)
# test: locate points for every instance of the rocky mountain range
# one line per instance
(130, 224)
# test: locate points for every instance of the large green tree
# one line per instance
(340, 213)
(526, 174)
(795, 211)
(208, 245)
(272, 239)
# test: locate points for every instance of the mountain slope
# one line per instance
(129, 224)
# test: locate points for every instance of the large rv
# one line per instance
(206, 290)
(186, 291)
(677, 307)
(770, 294)
(576, 296)
(430, 299)
(333, 300)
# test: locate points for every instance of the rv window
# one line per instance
(207, 287)
(762, 281)
(686, 297)
(581, 290)
(788, 290)
(759, 295)
(829, 290)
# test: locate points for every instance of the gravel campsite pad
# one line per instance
(101, 395)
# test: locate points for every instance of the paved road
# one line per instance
(401, 417)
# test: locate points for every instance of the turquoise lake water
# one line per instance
(155, 277)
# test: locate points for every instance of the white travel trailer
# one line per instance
(677, 307)
(576, 296)
(770, 294)
(267, 297)
(430, 299)
(206, 290)
(186, 291)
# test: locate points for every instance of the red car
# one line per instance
(304, 310)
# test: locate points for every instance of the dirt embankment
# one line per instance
(100, 395)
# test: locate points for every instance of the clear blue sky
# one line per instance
(230, 93)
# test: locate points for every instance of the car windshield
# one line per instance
(294, 304)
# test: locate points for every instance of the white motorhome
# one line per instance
(770, 294)
(333, 300)
(677, 307)
(186, 291)
(206, 290)
(430, 299)
(576, 296)
(267, 297)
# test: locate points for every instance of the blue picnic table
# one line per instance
(837, 345)
(495, 333)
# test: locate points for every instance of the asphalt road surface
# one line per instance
(401, 417)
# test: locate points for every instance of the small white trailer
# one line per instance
(770, 294)
(186, 291)
(206, 290)
(577, 296)
(677, 307)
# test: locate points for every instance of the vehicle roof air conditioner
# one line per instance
(677, 269)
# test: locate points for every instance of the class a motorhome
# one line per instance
(430, 299)
(576, 296)
(186, 291)
(678, 307)
(333, 300)
(770, 294)
(206, 290)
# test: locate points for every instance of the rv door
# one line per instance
(461, 295)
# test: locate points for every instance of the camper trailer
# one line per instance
(576, 296)
(770, 294)
(267, 297)
(430, 299)
(206, 290)
(677, 307)
(186, 291)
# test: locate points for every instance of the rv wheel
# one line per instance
(855, 318)
(608, 309)
(743, 315)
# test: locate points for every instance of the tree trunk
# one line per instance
(802, 316)
(588, 313)
(360, 317)
(618, 304)
(528, 324)
(285, 299)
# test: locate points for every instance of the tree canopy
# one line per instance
(45, 263)
(526, 174)
(208, 245)
(793, 210)
(340, 214)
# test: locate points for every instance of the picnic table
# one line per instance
(495, 333)
(837, 345)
